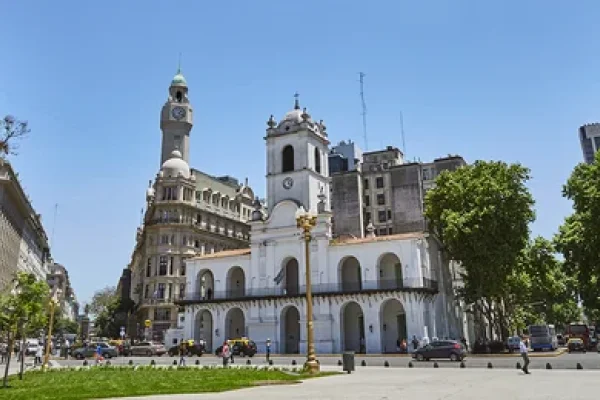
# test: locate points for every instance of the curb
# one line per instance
(557, 353)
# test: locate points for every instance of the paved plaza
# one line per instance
(431, 384)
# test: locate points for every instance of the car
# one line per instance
(147, 349)
(194, 348)
(560, 339)
(451, 349)
(576, 344)
(513, 343)
(90, 351)
(240, 347)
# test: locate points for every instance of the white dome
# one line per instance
(293, 116)
(175, 166)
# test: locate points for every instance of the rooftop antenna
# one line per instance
(402, 132)
(364, 108)
(179, 64)
(53, 225)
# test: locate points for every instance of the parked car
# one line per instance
(240, 347)
(90, 351)
(513, 343)
(31, 347)
(147, 349)
(576, 344)
(451, 349)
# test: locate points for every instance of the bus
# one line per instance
(579, 330)
(542, 337)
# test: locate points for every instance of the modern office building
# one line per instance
(589, 137)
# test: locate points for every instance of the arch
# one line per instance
(203, 328)
(317, 160)
(392, 318)
(290, 330)
(287, 158)
(236, 282)
(350, 274)
(352, 327)
(235, 323)
(205, 284)
(389, 274)
(291, 276)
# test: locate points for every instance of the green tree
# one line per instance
(481, 213)
(102, 299)
(23, 306)
(579, 237)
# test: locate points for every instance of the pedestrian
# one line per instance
(398, 344)
(268, 350)
(182, 351)
(225, 353)
(3, 352)
(523, 350)
(38, 356)
(99, 354)
(67, 349)
(403, 346)
(415, 343)
(231, 351)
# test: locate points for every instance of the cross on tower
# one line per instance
(296, 101)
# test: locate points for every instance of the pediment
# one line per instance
(283, 215)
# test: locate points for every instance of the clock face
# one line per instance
(288, 183)
(178, 113)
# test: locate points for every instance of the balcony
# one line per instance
(326, 289)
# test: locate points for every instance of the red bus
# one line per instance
(579, 330)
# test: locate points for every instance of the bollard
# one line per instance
(108, 363)
(248, 362)
(270, 362)
(548, 366)
(174, 362)
(152, 362)
(490, 365)
(339, 363)
(579, 366)
(130, 362)
(410, 364)
(435, 365)
(363, 363)
(85, 363)
(386, 364)
(197, 362)
(518, 365)
(293, 362)
(462, 364)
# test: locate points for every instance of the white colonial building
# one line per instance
(367, 292)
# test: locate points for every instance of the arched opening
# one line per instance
(204, 328)
(179, 96)
(205, 285)
(290, 330)
(236, 283)
(390, 272)
(353, 328)
(350, 275)
(292, 277)
(317, 160)
(235, 324)
(287, 159)
(393, 325)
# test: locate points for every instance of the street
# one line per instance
(590, 360)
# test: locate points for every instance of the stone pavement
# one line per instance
(424, 384)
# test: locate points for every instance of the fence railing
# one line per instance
(325, 288)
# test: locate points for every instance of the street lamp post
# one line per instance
(306, 222)
(53, 302)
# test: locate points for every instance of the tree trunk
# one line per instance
(11, 345)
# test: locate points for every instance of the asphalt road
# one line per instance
(590, 360)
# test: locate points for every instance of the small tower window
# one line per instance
(317, 160)
(179, 96)
(287, 162)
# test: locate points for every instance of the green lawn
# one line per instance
(102, 382)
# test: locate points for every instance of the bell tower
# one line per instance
(176, 120)
(297, 162)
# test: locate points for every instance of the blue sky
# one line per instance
(511, 80)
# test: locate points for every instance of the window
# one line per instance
(147, 291)
(184, 241)
(149, 267)
(171, 265)
(160, 292)
(379, 182)
(389, 214)
(381, 215)
(182, 268)
(381, 199)
(366, 183)
(382, 232)
(162, 314)
(317, 160)
(163, 265)
(170, 292)
(368, 217)
(390, 231)
(287, 159)
(164, 239)
(182, 290)
(179, 96)
(367, 201)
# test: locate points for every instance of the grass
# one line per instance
(103, 382)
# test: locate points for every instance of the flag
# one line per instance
(279, 276)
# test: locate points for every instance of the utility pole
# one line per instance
(364, 109)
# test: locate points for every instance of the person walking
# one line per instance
(225, 354)
(182, 351)
(38, 355)
(67, 349)
(268, 350)
(415, 343)
(523, 349)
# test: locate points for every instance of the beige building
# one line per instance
(23, 241)
(58, 280)
(188, 213)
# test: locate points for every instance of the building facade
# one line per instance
(23, 241)
(589, 137)
(58, 280)
(369, 292)
(188, 213)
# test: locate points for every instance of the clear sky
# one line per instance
(507, 81)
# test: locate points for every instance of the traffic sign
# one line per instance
(148, 323)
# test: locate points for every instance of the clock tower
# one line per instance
(176, 120)
(297, 163)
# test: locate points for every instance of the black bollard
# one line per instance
(410, 364)
(339, 363)
(130, 362)
(248, 362)
(363, 363)
(579, 366)
(85, 363)
(518, 365)
(548, 366)
(174, 362)
(293, 362)
(386, 364)
(152, 362)
(490, 365)
(108, 363)
(270, 362)
(462, 364)
(197, 362)
(435, 365)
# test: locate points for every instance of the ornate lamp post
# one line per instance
(306, 222)
(53, 303)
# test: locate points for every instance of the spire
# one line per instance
(297, 101)
(179, 64)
